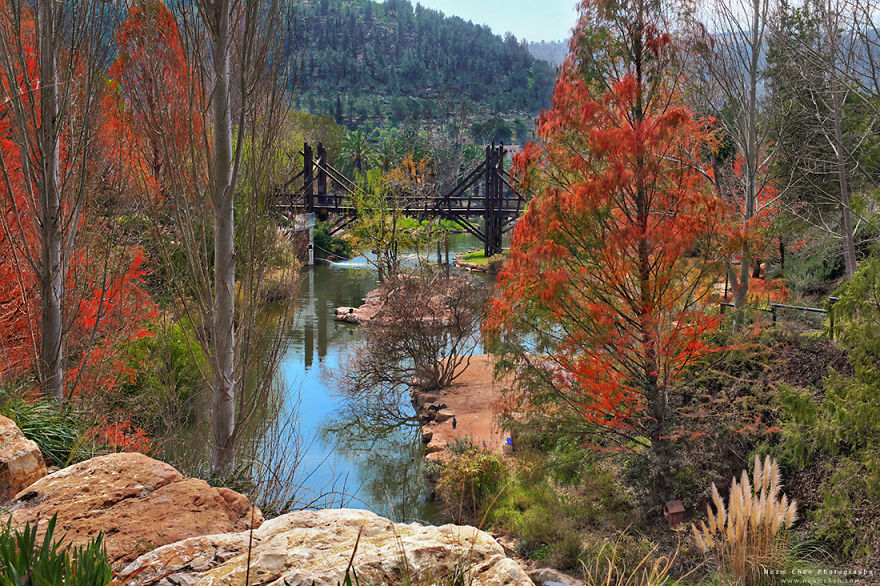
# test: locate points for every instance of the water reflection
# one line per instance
(389, 456)
(379, 460)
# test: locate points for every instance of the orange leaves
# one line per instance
(123, 437)
(612, 266)
(159, 103)
(116, 312)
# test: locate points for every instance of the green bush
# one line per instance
(328, 246)
(60, 433)
(839, 427)
(167, 378)
(26, 560)
(495, 262)
(470, 483)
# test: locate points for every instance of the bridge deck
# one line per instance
(343, 205)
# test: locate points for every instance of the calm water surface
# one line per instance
(362, 462)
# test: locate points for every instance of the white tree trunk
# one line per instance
(224, 242)
(832, 18)
(50, 268)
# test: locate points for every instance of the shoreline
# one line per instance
(472, 403)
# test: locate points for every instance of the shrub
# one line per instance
(329, 246)
(750, 534)
(495, 262)
(611, 566)
(167, 378)
(561, 493)
(836, 429)
(25, 560)
(470, 482)
(61, 434)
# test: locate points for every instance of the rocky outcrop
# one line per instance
(373, 303)
(21, 463)
(314, 547)
(433, 305)
(137, 503)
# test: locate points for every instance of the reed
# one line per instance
(748, 538)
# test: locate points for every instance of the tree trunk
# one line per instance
(224, 245)
(782, 256)
(846, 223)
(751, 157)
(51, 271)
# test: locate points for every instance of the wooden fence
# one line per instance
(778, 312)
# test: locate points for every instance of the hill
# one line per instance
(366, 60)
(553, 52)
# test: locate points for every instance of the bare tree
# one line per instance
(51, 58)
(423, 336)
(245, 72)
(822, 120)
(218, 140)
(732, 50)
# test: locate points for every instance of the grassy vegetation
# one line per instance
(787, 395)
(478, 258)
(61, 434)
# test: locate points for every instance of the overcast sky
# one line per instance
(533, 20)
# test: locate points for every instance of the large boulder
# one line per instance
(551, 577)
(315, 547)
(21, 463)
(138, 504)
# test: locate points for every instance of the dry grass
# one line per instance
(609, 569)
(749, 537)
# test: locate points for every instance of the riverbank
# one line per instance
(159, 527)
(465, 412)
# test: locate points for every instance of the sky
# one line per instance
(533, 20)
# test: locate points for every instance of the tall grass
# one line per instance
(749, 537)
(59, 433)
(609, 569)
(26, 560)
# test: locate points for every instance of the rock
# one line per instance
(509, 544)
(21, 463)
(427, 434)
(137, 503)
(346, 314)
(373, 302)
(422, 398)
(434, 446)
(314, 547)
(443, 415)
(551, 577)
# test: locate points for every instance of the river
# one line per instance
(347, 459)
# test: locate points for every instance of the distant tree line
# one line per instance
(369, 60)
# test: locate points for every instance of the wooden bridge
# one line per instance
(484, 203)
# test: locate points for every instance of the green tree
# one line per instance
(356, 152)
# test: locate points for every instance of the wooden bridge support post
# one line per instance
(309, 178)
(322, 174)
(493, 215)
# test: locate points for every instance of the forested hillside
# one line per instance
(366, 60)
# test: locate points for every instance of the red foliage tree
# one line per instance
(753, 231)
(612, 268)
(104, 304)
(154, 105)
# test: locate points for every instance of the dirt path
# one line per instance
(471, 403)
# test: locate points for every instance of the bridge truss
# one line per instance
(484, 202)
